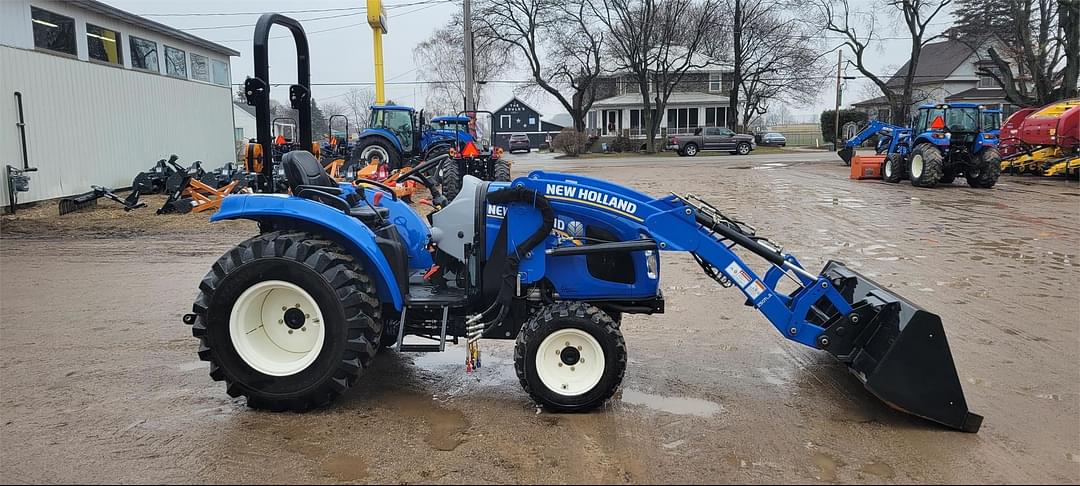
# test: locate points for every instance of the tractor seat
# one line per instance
(303, 169)
(369, 216)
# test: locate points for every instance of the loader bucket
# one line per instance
(845, 154)
(897, 349)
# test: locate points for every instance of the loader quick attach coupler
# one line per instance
(897, 349)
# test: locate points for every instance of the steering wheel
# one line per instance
(377, 185)
(416, 173)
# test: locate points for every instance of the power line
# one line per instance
(253, 25)
(427, 4)
(310, 10)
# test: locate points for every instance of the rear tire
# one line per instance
(450, 179)
(570, 378)
(893, 169)
(276, 363)
(927, 166)
(500, 171)
(986, 173)
(690, 150)
(384, 149)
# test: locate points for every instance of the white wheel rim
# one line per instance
(916, 166)
(370, 150)
(691, 150)
(743, 149)
(263, 338)
(888, 169)
(570, 362)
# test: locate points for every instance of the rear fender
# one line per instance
(290, 212)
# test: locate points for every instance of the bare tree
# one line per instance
(1038, 39)
(658, 42)
(358, 106)
(438, 64)
(858, 31)
(560, 42)
(773, 58)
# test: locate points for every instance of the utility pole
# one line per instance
(836, 127)
(470, 69)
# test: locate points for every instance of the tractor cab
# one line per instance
(399, 122)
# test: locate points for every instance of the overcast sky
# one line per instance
(341, 45)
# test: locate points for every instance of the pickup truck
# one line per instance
(711, 138)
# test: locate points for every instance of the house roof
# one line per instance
(936, 62)
(519, 100)
(978, 94)
(124, 16)
(561, 119)
(880, 100)
(246, 107)
(677, 98)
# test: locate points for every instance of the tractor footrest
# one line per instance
(420, 348)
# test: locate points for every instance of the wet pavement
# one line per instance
(99, 380)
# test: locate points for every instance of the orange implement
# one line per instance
(866, 166)
(206, 197)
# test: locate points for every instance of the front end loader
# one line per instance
(291, 317)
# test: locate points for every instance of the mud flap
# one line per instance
(846, 154)
(897, 349)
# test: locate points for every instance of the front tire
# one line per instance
(986, 173)
(893, 169)
(743, 148)
(926, 167)
(570, 357)
(287, 320)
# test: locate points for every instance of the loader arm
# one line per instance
(894, 132)
(897, 349)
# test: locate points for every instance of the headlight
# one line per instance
(652, 262)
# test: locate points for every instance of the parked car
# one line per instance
(519, 141)
(773, 138)
(711, 138)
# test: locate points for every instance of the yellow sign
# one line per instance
(376, 15)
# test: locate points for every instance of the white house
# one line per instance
(699, 100)
(947, 71)
(244, 124)
(106, 93)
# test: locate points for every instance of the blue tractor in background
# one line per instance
(945, 141)
(291, 317)
(397, 134)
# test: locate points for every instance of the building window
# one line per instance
(175, 62)
(144, 54)
(714, 82)
(682, 120)
(200, 68)
(987, 81)
(53, 32)
(238, 133)
(104, 45)
(504, 121)
(591, 120)
(221, 72)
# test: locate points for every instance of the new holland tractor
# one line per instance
(291, 317)
(396, 134)
(945, 141)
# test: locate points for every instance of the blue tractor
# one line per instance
(291, 317)
(945, 141)
(398, 134)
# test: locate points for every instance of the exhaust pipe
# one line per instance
(897, 349)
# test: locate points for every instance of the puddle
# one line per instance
(827, 466)
(674, 405)
(879, 469)
(345, 468)
(446, 426)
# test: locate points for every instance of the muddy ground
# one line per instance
(99, 380)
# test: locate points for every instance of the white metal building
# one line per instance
(105, 94)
